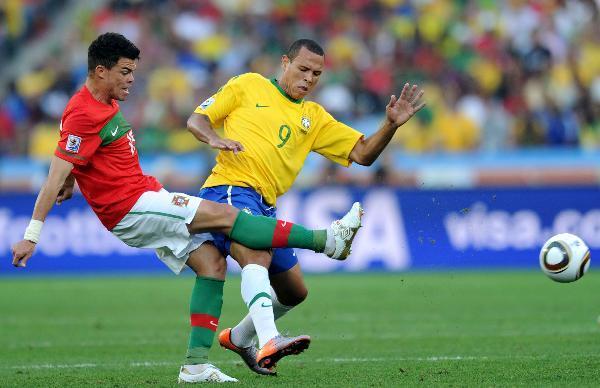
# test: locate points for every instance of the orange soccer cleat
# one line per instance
(248, 354)
(279, 347)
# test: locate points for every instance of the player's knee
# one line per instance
(245, 256)
(230, 213)
(264, 260)
(218, 267)
(213, 216)
(207, 261)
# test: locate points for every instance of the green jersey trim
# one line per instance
(116, 128)
(158, 214)
(283, 92)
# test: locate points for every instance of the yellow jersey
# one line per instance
(277, 133)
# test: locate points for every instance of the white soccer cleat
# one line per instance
(341, 233)
(204, 373)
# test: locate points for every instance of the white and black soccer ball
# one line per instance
(565, 258)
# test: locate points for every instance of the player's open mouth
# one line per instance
(303, 88)
(126, 91)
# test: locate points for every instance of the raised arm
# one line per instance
(59, 171)
(199, 125)
(397, 112)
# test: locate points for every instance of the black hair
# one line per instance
(309, 44)
(108, 48)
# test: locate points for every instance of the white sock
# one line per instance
(256, 294)
(196, 369)
(329, 243)
(244, 332)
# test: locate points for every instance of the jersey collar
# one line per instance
(294, 100)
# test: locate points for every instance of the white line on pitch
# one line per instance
(144, 364)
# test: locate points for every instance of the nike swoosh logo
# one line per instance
(266, 305)
(115, 131)
(213, 323)
(283, 223)
(261, 106)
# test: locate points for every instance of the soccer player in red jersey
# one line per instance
(97, 149)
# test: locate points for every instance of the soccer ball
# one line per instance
(564, 258)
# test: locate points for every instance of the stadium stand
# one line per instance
(507, 83)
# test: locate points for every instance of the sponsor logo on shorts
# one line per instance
(73, 144)
(180, 200)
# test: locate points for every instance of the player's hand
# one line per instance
(65, 193)
(21, 252)
(400, 110)
(226, 145)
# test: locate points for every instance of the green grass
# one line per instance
(451, 329)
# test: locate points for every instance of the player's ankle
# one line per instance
(330, 243)
(239, 339)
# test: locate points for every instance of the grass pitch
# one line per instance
(451, 329)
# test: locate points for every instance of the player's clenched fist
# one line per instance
(22, 251)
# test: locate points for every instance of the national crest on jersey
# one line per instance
(305, 124)
(180, 200)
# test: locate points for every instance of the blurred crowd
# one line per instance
(497, 74)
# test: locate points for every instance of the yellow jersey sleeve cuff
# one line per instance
(344, 160)
(202, 111)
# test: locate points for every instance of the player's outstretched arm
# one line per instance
(397, 112)
(199, 125)
(57, 176)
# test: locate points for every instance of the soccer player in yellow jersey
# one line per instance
(269, 130)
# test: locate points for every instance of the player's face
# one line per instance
(301, 75)
(120, 78)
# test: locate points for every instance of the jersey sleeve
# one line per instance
(223, 102)
(79, 139)
(335, 140)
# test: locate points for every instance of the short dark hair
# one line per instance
(108, 48)
(309, 44)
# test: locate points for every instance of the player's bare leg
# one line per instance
(205, 309)
(213, 216)
(290, 287)
(207, 261)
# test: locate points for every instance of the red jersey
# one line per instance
(99, 142)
